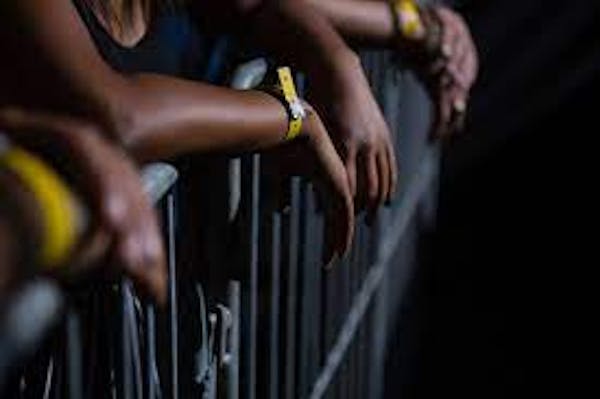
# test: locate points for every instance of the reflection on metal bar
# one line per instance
(150, 327)
(125, 373)
(158, 178)
(29, 315)
(232, 365)
(132, 330)
(250, 203)
(172, 296)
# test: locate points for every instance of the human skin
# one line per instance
(123, 228)
(152, 116)
(448, 78)
(293, 31)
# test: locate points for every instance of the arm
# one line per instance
(155, 116)
(297, 34)
(448, 78)
(371, 23)
(368, 22)
(124, 221)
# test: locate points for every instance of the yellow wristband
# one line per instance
(56, 205)
(410, 24)
(296, 110)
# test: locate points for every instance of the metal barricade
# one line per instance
(268, 321)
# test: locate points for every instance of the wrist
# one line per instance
(313, 127)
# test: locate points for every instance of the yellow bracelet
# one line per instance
(408, 19)
(57, 205)
(295, 110)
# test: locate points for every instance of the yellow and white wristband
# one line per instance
(60, 221)
(285, 91)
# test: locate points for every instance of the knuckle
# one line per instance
(130, 255)
(115, 210)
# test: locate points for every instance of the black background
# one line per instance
(496, 290)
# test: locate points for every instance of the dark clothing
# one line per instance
(173, 46)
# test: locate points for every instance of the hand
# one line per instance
(314, 155)
(125, 221)
(331, 174)
(448, 70)
(360, 133)
(458, 72)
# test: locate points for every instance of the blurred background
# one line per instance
(493, 296)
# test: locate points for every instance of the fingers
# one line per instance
(391, 155)
(90, 250)
(108, 181)
(340, 219)
(128, 216)
(462, 57)
(468, 65)
(350, 164)
(443, 114)
(383, 165)
(462, 67)
(140, 252)
(372, 180)
(459, 109)
(346, 217)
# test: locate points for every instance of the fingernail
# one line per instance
(460, 105)
(446, 50)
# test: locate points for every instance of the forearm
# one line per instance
(368, 22)
(167, 117)
(154, 116)
(299, 35)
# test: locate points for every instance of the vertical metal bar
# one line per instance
(74, 352)
(309, 261)
(255, 228)
(172, 296)
(125, 371)
(251, 192)
(292, 292)
(274, 299)
(312, 268)
(233, 387)
(136, 362)
(150, 351)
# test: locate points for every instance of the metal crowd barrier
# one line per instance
(251, 312)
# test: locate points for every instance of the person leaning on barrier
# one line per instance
(434, 40)
(70, 200)
(89, 58)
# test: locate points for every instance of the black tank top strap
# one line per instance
(161, 50)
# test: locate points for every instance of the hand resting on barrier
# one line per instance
(154, 116)
(441, 50)
(122, 227)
